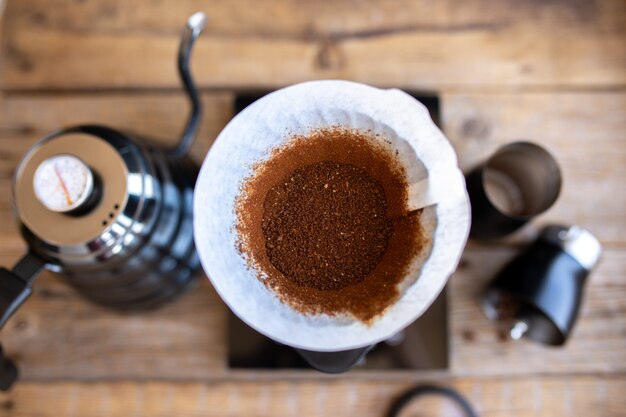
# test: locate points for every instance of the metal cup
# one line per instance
(518, 182)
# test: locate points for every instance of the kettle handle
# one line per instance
(15, 287)
(192, 30)
(16, 284)
(8, 372)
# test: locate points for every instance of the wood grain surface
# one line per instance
(552, 72)
(584, 131)
(57, 44)
(59, 335)
(492, 397)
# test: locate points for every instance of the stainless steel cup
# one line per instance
(519, 181)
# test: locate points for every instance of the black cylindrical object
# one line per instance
(518, 182)
(8, 372)
(335, 362)
(541, 290)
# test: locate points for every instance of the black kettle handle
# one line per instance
(8, 372)
(16, 284)
(15, 287)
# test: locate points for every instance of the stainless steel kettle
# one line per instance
(110, 213)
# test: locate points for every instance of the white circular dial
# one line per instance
(63, 183)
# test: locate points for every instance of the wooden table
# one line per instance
(553, 72)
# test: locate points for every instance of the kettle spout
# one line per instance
(195, 25)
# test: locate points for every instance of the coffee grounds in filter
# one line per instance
(324, 223)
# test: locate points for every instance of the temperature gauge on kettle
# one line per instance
(62, 183)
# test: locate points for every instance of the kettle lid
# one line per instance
(123, 191)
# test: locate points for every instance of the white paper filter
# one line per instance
(427, 156)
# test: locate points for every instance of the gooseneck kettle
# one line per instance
(109, 212)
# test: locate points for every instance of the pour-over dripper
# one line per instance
(249, 138)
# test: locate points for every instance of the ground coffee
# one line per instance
(324, 222)
(326, 225)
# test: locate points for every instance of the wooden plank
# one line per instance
(520, 397)
(587, 140)
(158, 116)
(585, 133)
(480, 347)
(58, 335)
(420, 44)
